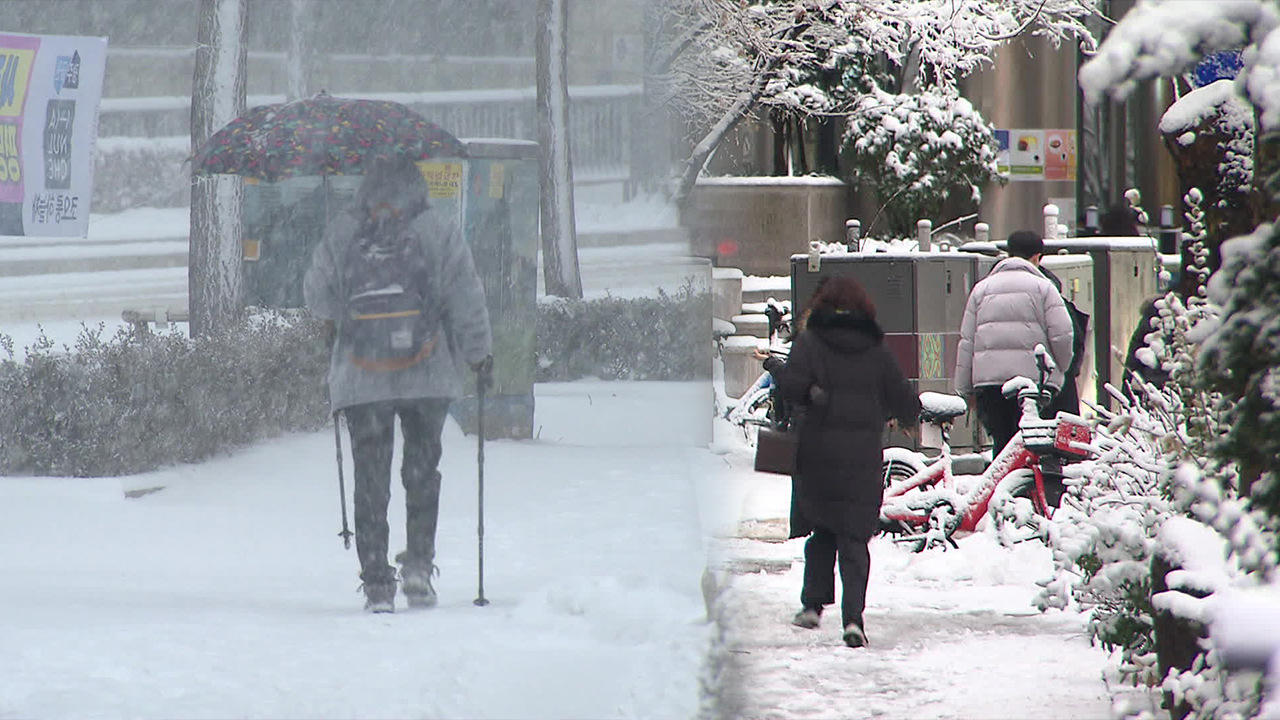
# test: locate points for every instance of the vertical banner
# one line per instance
(50, 89)
(1037, 154)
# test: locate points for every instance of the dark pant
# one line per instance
(820, 553)
(372, 428)
(1000, 415)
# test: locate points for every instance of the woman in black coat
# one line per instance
(847, 386)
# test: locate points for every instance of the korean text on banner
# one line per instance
(50, 89)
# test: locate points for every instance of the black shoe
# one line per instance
(808, 618)
(854, 637)
(379, 597)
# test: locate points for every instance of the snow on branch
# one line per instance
(1166, 38)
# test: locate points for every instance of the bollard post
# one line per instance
(1050, 221)
(1091, 222)
(982, 232)
(924, 235)
(852, 232)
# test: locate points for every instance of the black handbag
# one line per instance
(776, 451)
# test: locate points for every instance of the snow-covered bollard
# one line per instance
(1051, 213)
(924, 235)
(982, 232)
(852, 232)
(1063, 231)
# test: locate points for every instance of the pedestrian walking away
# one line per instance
(844, 385)
(399, 283)
(1008, 313)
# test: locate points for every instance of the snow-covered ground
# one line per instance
(229, 594)
(951, 634)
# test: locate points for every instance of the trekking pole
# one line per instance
(342, 485)
(480, 600)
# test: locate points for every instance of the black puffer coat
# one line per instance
(839, 480)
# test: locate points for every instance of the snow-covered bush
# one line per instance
(917, 149)
(1219, 113)
(1242, 360)
(720, 61)
(121, 405)
(667, 337)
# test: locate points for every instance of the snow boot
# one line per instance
(415, 580)
(854, 637)
(808, 618)
(379, 597)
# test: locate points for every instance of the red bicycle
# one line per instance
(925, 503)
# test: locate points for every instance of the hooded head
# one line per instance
(843, 315)
(393, 189)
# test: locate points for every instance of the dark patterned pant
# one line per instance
(372, 428)
(820, 553)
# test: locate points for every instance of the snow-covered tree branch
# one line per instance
(725, 59)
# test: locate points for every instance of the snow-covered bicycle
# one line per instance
(925, 503)
(761, 405)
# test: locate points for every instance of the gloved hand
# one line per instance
(484, 372)
(817, 396)
(774, 365)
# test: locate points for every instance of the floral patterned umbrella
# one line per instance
(321, 135)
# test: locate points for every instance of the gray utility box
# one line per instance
(919, 299)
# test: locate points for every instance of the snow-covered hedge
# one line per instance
(121, 405)
(667, 337)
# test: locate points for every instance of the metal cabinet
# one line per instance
(920, 299)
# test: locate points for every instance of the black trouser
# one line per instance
(820, 553)
(372, 428)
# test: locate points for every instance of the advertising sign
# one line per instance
(1036, 154)
(50, 87)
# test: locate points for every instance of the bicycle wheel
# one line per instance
(897, 467)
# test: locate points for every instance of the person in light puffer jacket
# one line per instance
(1013, 309)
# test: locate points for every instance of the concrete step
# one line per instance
(35, 298)
(751, 324)
(96, 257)
(757, 289)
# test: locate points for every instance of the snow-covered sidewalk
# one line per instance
(951, 634)
(228, 593)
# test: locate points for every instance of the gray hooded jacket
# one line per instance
(1013, 309)
(458, 299)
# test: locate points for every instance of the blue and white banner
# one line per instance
(50, 88)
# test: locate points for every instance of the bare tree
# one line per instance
(217, 98)
(724, 59)
(559, 231)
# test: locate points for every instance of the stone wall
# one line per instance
(756, 224)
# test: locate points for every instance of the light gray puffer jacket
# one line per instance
(1009, 312)
(459, 299)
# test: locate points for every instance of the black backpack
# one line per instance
(390, 321)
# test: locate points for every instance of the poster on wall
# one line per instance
(1036, 154)
(50, 88)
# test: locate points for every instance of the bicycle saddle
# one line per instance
(939, 408)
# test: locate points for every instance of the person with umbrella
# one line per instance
(399, 282)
